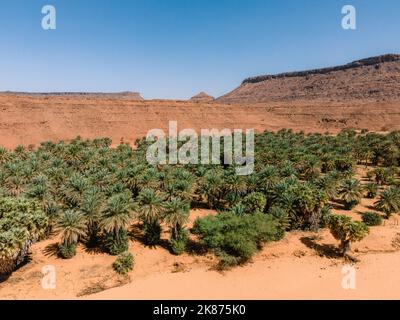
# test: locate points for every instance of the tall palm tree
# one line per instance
(150, 211)
(72, 226)
(116, 218)
(389, 201)
(74, 189)
(372, 190)
(351, 193)
(176, 214)
(236, 185)
(91, 207)
(212, 187)
(117, 214)
(4, 155)
(150, 205)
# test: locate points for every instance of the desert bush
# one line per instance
(282, 216)
(178, 244)
(22, 222)
(124, 263)
(372, 218)
(152, 233)
(67, 250)
(346, 231)
(116, 244)
(254, 202)
(326, 212)
(236, 238)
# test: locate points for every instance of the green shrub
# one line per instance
(67, 250)
(326, 212)
(152, 233)
(178, 245)
(254, 202)
(282, 217)
(117, 244)
(234, 238)
(124, 263)
(372, 218)
(22, 222)
(227, 261)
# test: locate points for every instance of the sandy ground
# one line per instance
(302, 266)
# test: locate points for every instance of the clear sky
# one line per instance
(176, 48)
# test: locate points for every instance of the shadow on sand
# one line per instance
(323, 250)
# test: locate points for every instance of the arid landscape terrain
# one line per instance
(303, 265)
(364, 96)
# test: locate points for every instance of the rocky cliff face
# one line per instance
(371, 79)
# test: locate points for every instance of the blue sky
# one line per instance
(176, 48)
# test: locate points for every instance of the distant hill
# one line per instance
(375, 79)
(202, 97)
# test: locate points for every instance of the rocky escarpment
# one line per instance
(26, 120)
(352, 65)
(366, 80)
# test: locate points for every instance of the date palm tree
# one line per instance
(372, 190)
(389, 201)
(92, 207)
(351, 193)
(176, 215)
(73, 190)
(72, 226)
(150, 207)
(116, 218)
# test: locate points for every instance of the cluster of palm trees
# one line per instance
(92, 193)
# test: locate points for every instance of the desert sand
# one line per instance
(304, 265)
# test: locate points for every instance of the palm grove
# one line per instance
(91, 194)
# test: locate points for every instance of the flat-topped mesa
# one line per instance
(375, 79)
(352, 65)
(129, 95)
